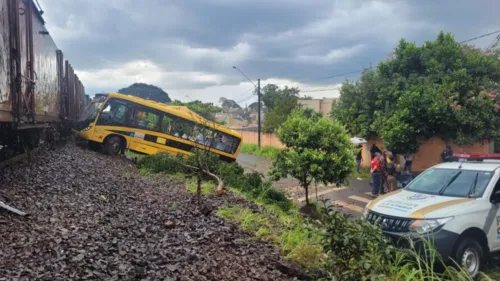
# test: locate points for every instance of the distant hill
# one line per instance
(146, 91)
(228, 104)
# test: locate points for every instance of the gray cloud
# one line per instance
(194, 43)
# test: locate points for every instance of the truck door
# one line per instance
(492, 219)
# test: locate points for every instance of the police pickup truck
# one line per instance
(457, 204)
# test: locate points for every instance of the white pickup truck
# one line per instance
(457, 204)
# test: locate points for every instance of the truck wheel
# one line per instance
(469, 254)
(113, 145)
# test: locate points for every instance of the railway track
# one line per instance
(20, 157)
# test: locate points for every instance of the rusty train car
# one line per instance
(40, 94)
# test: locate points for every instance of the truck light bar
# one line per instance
(476, 156)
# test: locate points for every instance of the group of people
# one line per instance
(384, 171)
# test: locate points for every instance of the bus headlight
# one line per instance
(425, 226)
(87, 128)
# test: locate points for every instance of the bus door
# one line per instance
(113, 117)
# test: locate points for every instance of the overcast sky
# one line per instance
(188, 47)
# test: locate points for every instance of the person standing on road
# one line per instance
(359, 158)
(391, 169)
(376, 175)
(383, 159)
(408, 162)
(447, 154)
(373, 150)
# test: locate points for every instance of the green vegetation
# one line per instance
(268, 152)
(364, 173)
(278, 219)
(206, 110)
(279, 103)
(332, 243)
(317, 150)
(207, 187)
(286, 229)
(442, 88)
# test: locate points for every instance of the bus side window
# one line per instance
(145, 118)
(166, 123)
(182, 128)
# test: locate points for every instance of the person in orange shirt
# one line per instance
(375, 171)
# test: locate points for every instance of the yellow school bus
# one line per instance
(118, 122)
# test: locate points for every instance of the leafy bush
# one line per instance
(272, 196)
(161, 163)
(355, 249)
(211, 160)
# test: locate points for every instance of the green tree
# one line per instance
(278, 103)
(437, 89)
(317, 150)
(205, 109)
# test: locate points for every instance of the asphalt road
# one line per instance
(350, 199)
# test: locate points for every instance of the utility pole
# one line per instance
(258, 102)
(258, 110)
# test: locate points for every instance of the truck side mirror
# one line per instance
(495, 199)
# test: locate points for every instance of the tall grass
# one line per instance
(298, 243)
(268, 152)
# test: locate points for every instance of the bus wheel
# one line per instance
(113, 145)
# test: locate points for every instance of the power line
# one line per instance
(244, 93)
(480, 36)
(371, 67)
(494, 42)
(245, 99)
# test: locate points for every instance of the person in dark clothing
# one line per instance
(376, 176)
(408, 162)
(359, 158)
(374, 149)
(392, 170)
(383, 170)
(447, 154)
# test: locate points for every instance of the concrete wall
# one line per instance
(323, 106)
(266, 139)
(428, 155)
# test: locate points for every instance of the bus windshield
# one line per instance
(90, 112)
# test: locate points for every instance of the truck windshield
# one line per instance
(451, 182)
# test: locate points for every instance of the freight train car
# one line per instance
(39, 91)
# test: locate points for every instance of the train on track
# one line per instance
(40, 94)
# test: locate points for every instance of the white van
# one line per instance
(457, 204)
